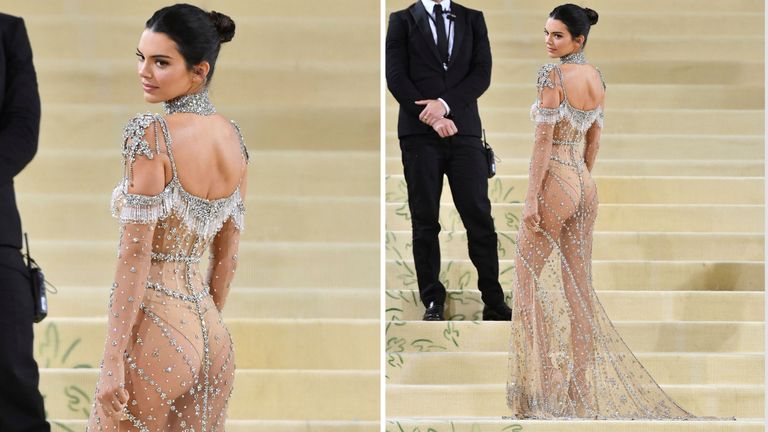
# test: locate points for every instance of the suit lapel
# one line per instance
(422, 22)
(460, 28)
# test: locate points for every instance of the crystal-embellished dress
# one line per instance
(566, 358)
(178, 354)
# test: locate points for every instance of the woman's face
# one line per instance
(162, 70)
(558, 39)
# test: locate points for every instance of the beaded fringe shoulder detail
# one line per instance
(204, 217)
(579, 119)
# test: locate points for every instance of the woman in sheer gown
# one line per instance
(566, 358)
(168, 359)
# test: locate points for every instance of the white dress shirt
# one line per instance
(430, 6)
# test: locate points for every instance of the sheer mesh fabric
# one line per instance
(566, 358)
(165, 331)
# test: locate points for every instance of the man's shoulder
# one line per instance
(467, 11)
(6, 19)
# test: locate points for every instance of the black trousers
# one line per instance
(426, 159)
(21, 405)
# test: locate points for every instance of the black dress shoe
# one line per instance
(500, 312)
(434, 312)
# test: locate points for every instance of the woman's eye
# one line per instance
(161, 63)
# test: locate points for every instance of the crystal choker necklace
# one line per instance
(196, 103)
(575, 58)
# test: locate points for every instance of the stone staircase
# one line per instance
(679, 242)
(304, 310)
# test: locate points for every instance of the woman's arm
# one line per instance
(545, 115)
(223, 256)
(146, 180)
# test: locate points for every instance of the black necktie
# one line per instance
(442, 39)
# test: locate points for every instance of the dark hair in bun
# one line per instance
(198, 34)
(576, 18)
(224, 25)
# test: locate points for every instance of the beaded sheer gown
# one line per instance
(566, 358)
(164, 320)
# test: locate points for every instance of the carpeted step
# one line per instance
(620, 305)
(63, 37)
(641, 146)
(333, 265)
(495, 424)
(258, 394)
(622, 20)
(264, 127)
(623, 189)
(656, 336)
(605, 7)
(606, 275)
(242, 302)
(312, 83)
(259, 343)
(633, 167)
(259, 426)
(286, 219)
(489, 400)
(695, 70)
(504, 94)
(271, 174)
(686, 218)
(664, 121)
(633, 245)
(492, 368)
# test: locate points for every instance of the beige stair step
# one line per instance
(649, 46)
(489, 400)
(333, 265)
(503, 94)
(245, 302)
(516, 117)
(647, 146)
(259, 343)
(606, 275)
(614, 217)
(608, 245)
(670, 22)
(234, 8)
(650, 336)
(271, 174)
(303, 37)
(493, 424)
(276, 127)
(259, 425)
(314, 83)
(651, 71)
(633, 167)
(492, 367)
(620, 305)
(625, 189)
(258, 394)
(606, 6)
(332, 219)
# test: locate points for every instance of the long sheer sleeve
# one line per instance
(592, 143)
(545, 113)
(223, 252)
(144, 179)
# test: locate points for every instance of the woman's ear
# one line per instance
(201, 70)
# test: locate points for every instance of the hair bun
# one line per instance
(591, 15)
(224, 26)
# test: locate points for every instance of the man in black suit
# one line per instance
(21, 405)
(438, 63)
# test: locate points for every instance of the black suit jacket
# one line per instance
(414, 70)
(19, 120)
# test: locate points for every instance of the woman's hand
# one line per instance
(112, 396)
(531, 217)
